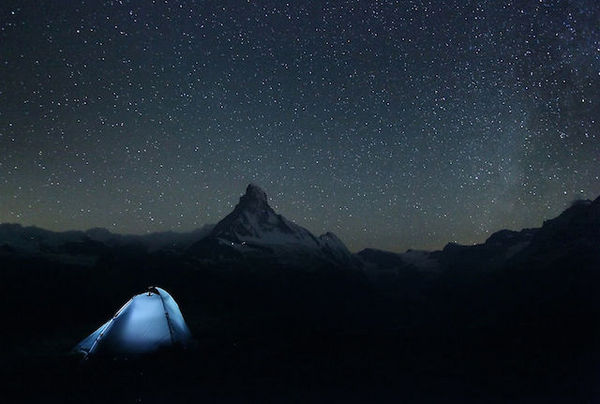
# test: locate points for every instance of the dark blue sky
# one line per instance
(395, 124)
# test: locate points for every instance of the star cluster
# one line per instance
(395, 124)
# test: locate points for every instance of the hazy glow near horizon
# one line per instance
(393, 124)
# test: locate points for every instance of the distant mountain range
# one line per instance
(253, 231)
(31, 239)
(574, 234)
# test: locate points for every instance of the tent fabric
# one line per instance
(147, 322)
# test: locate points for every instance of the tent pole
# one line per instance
(168, 319)
(106, 328)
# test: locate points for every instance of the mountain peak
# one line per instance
(254, 199)
(254, 228)
(255, 192)
(254, 222)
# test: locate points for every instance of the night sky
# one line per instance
(394, 124)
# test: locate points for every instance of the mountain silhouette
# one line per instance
(254, 228)
(574, 233)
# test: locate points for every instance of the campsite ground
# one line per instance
(295, 336)
(358, 368)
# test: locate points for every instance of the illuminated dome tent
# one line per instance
(147, 322)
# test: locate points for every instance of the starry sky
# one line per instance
(394, 124)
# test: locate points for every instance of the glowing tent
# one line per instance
(147, 322)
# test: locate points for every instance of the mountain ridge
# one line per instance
(575, 231)
(31, 238)
(253, 229)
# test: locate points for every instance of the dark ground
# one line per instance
(269, 334)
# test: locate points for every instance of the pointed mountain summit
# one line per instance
(253, 227)
(253, 221)
(255, 197)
